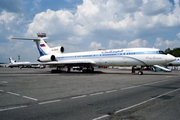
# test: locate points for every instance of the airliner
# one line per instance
(13, 63)
(114, 57)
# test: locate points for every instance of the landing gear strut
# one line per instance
(57, 70)
(141, 71)
(68, 69)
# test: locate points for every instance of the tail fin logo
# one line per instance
(42, 45)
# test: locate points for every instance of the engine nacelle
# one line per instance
(59, 49)
(47, 58)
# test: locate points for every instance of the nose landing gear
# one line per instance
(140, 71)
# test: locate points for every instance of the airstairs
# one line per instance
(157, 68)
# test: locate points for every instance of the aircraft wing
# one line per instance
(23, 64)
(58, 63)
(70, 63)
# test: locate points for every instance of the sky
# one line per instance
(84, 25)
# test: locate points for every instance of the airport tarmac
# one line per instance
(107, 94)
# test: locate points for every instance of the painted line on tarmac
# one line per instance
(138, 104)
(110, 91)
(131, 87)
(155, 82)
(1, 90)
(16, 94)
(30, 98)
(146, 101)
(47, 102)
(78, 97)
(6, 109)
(99, 93)
(104, 116)
(3, 82)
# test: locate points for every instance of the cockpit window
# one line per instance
(161, 52)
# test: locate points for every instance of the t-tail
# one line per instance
(44, 50)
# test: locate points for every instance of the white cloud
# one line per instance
(74, 40)
(59, 23)
(155, 7)
(159, 42)
(117, 44)
(123, 44)
(8, 19)
(178, 35)
(8, 23)
(167, 43)
(94, 17)
(138, 43)
(95, 46)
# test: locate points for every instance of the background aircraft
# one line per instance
(174, 63)
(13, 63)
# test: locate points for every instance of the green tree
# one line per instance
(168, 50)
(175, 52)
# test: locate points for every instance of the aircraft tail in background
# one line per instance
(11, 61)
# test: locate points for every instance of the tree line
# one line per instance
(175, 52)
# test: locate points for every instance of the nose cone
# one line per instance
(170, 58)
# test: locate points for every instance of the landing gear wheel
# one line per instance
(140, 73)
(89, 69)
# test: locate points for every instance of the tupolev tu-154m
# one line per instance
(114, 57)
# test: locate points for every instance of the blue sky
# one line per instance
(83, 25)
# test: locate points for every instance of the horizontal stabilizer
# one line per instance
(34, 39)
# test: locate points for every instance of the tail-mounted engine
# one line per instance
(59, 49)
(47, 58)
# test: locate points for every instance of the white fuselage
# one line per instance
(119, 57)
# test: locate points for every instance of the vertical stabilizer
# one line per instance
(11, 61)
(43, 48)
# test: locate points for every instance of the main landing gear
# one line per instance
(140, 72)
(59, 69)
(89, 69)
